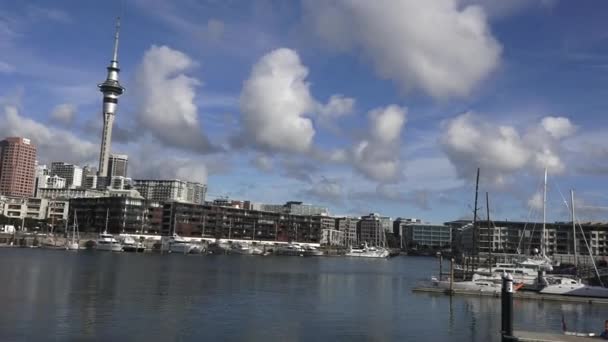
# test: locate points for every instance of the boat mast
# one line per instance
(543, 237)
(573, 227)
(490, 233)
(475, 232)
(107, 214)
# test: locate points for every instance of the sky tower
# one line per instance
(111, 90)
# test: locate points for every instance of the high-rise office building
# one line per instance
(70, 172)
(17, 167)
(117, 166)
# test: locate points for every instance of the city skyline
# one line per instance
(274, 111)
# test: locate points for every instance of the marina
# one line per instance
(156, 297)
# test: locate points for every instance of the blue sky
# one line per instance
(385, 106)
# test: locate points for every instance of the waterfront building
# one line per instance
(171, 190)
(225, 202)
(373, 229)
(511, 236)
(34, 208)
(348, 225)
(17, 167)
(67, 193)
(118, 164)
(333, 237)
(70, 172)
(111, 90)
(120, 214)
(426, 236)
(399, 229)
(210, 221)
(293, 207)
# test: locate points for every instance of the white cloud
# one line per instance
(377, 156)
(275, 101)
(558, 127)
(536, 201)
(502, 8)
(52, 144)
(434, 46)
(64, 113)
(327, 190)
(338, 105)
(499, 151)
(166, 98)
(145, 164)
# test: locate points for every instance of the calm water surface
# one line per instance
(57, 295)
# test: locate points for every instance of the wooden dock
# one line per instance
(530, 336)
(517, 295)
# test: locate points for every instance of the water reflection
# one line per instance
(106, 296)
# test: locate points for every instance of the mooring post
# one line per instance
(451, 276)
(507, 307)
(440, 265)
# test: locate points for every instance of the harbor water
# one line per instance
(59, 295)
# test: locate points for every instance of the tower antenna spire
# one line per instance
(116, 36)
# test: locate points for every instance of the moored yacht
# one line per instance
(130, 245)
(479, 285)
(178, 244)
(289, 250)
(107, 242)
(366, 251)
(571, 287)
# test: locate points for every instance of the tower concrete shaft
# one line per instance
(111, 90)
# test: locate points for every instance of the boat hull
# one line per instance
(74, 246)
(109, 247)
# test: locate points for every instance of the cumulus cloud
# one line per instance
(437, 46)
(166, 98)
(338, 105)
(275, 101)
(145, 166)
(64, 113)
(52, 144)
(501, 8)
(558, 127)
(377, 156)
(326, 190)
(501, 150)
(536, 201)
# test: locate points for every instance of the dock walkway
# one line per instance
(518, 295)
(530, 336)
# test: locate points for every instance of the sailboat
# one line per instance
(72, 243)
(106, 241)
(568, 286)
(525, 270)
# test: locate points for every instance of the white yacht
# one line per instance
(526, 275)
(479, 285)
(240, 248)
(572, 287)
(368, 252)
(289, 250)
(72, 243)
(312, 251)
(130, 245)
(178, 244)
(107, 242)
